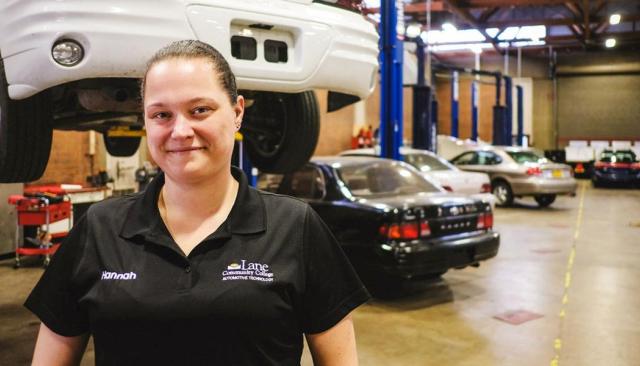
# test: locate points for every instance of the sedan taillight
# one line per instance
(635, 166)
(405, 230)
(485, 221)
(534, 171)
(486, 188)
(352, 5)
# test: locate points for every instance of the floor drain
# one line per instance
(517, 317)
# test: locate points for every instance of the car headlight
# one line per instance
(67, 52)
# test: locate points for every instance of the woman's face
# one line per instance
(189, 119)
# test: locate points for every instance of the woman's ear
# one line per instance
(239, 109)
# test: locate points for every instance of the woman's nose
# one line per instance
(182, 128)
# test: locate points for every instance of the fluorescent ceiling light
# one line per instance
(611, 42)
(448, 27)
(413, 30)
(477, 49)
(614, 19)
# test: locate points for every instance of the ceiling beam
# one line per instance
(473, 21)
(586, 9)
(487, 14)
(599, 6)
(556, 21)
(577, 32)
(628, 36)
(507, 3)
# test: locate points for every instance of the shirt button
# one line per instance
(187, 269)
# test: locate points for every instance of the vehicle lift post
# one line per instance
(474, 110)
(391, 84)
(423, 132)
(508, 97)
(241, 158)
(454, 104)
(520, 97)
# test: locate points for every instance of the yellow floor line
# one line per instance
(557, 343)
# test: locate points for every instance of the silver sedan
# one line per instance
(518, 172)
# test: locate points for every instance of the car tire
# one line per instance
(281, 130)
(503, 193)
(121, 146)
(545, 200)
(26, 130)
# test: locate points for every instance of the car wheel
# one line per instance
(25, 135)
(544, 200)
(281, 130)
(121, 146)
(503, 193)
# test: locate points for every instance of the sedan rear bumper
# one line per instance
(327, 47)
(439, 255)
(534, 186)
(615, 177)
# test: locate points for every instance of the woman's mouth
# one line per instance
(184, 149)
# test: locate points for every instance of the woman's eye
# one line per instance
(161, 115)
(200, 110)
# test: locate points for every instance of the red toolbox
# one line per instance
(39, 210)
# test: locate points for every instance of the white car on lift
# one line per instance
(76, 65)
(439, 170)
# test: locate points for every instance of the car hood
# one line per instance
(415, 200)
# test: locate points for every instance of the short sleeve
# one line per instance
(55, 297)
(332, 287)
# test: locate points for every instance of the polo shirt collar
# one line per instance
(247, 215)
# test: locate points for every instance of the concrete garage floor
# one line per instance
(451, 322)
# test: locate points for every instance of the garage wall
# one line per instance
(69, 161)
(598, 96)
(599, 107)
(8, 217)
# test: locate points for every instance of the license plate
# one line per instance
(557, 173)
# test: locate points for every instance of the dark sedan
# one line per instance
(392, 222)
(616, 167)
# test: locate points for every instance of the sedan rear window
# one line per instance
(618, 157)
(384, 179)
(522, 157)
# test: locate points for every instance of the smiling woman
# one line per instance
(201, 267)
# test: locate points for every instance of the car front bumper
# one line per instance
(328, 47)
(439, 255)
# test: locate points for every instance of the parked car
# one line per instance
(440, 170)
(76, 65)
(518, 172)
(616, 167)
(392, 222)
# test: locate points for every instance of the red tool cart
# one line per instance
(38, 210)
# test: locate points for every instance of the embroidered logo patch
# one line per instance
(247, 271)
(106, 275)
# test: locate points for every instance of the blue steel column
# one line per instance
(421, 103)
(474, 111)
(454, 104)
(391, 85)
(508, 97)
(520, 96)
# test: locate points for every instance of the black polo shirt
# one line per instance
(244, 296)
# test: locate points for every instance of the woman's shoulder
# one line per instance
(113, 207)
(275, 201)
